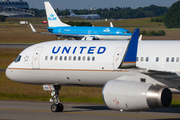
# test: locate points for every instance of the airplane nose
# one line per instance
(12, 75)
(8, 73)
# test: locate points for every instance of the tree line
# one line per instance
(172, 18)
(113, 13)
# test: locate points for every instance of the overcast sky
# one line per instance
(79, 4)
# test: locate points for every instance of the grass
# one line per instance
(132, 23)
(7, 56)
(10, 90)
(22, 34)
(12, 33)
(39, 20)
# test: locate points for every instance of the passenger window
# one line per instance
(84, 58)
(65, 57)
(142, 59)
(157, 59)
(79, 58)
(74, 58)
(147, 59)
(60, 58)
(18, 58)
(172, 59)
(167, 59)
(93, 58)
(69, 58)
(51, 58)
(46, 58)
(177, 59)
(88, 58)
(56, 57)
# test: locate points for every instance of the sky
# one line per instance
(85, 4)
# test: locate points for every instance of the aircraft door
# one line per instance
(36, 58)
(118, 56)
(89, 32)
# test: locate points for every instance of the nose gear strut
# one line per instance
(57, 106)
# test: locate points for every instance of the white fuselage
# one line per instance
(69, 62)
(111, 37)
(162, 55)
(91, 63)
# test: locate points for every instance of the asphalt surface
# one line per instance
(22, 110)
(2, 69)
(14, 45)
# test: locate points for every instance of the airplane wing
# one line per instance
(165, 75)
(57, 34)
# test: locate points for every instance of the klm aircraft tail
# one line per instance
(53, 19)
(129, 60)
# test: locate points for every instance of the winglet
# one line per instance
(32, 28)
(53, 19)
(111, 25)
(129, 60)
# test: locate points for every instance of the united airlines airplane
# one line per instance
(57, 27)
(111, 64)
(88, 16)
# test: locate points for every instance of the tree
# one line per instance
(172, 17)
(113, 13)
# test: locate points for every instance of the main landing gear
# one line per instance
(56, 106)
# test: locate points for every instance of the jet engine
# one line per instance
(135, 96)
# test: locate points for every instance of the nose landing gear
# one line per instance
(56, 106)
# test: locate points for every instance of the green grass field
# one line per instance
(13, 33)
(10, 90)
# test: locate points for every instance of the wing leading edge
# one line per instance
(58, 34)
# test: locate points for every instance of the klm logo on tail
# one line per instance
(52, 17)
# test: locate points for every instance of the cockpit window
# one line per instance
(18, 58)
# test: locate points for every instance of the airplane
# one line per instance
(58, 28)
(108, 64)
(88, 16)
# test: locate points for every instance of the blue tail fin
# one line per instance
(129, 60)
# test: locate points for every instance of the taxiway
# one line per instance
(20, 110)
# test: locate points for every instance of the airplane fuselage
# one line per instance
(99, 32)
(85, 63)
(160, 55)
(89, 16)
(69, 62)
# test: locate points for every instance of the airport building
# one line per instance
(15, 9)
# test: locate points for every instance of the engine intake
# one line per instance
(135, 96)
